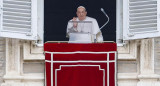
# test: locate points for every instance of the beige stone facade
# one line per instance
(2, 59)
(138, 63)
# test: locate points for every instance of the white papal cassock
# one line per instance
(86, 31)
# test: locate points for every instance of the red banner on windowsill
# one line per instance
(81, 64)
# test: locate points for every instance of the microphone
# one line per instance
(106, 16)
(103, 11)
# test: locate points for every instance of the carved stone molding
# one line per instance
(127, 79)
(32, 52)
(128, 51)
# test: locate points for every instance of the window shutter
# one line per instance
(141, 19)
(19, 19)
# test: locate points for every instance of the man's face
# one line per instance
(81, 13)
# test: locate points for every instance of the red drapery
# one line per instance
(81, 69)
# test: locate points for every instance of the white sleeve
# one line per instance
(97, 31)
(99, 37)
(95, 27)
(69, 26)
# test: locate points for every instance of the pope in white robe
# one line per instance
(83, 28)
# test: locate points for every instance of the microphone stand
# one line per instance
(103, 25)
(106, 16)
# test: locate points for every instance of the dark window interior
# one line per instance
(58, 12)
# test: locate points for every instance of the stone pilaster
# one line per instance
(2, 59)
(147, 76)
(13, 63)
